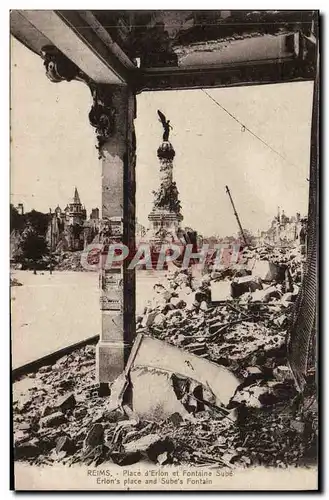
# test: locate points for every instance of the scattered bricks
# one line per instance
(239, 286)
(149, 318)
(24, 427)
(281, 320)
(89, 362)
(182, 339)
(168, 307)
(94, 437)
(80, 413)
(298, 426)
(176, 419)
(66, 403)
(90, 351)
(176, 313)
(283, 373)
(20, 437)
(159, 319)
(66, 385)
(45, 369)
(92, 391)
(24, 403)
(166, 295)
(52, 420)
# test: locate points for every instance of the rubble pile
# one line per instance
(246, 328)
(68, 261)
(60, 415)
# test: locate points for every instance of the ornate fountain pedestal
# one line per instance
(165, 218)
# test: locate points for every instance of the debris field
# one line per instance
(236, 318)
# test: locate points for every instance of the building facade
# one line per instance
(66, 227)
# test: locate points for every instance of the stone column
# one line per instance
(117, 154)
(112, 115)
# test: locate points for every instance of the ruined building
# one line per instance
(66, 227)
(284, 230)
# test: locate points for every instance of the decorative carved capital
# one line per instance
(102, 113)
(59, 68)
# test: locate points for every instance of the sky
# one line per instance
(53, 148)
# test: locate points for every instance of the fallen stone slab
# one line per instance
(239, 286)
(94, 437)
(213, 327)
(26, 450)
(66, 402)
(142, 444)
(153, 395)
(266, 295)
(220, 291)
(64, 443)
(53, 420)
(197, 348)
(158, 354)
(268, 271)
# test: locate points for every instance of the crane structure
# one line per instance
(236, 215)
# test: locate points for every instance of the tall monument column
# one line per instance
(113, 116)
(165, 217)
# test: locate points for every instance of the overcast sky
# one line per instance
(53, 148)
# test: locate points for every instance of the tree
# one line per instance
(38, 221)
(34, 247)
(17, 221)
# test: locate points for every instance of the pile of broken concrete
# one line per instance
(237, 317)
(207, 381)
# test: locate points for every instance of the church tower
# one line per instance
(75, 212)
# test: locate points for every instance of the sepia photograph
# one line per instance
(164, 225)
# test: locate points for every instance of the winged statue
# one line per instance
(166, 126)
